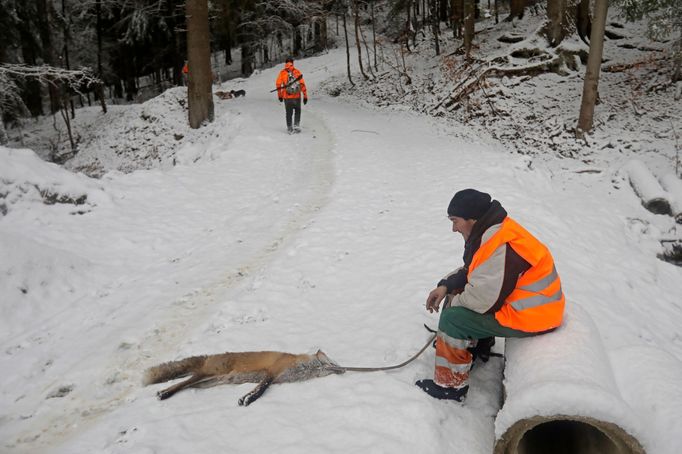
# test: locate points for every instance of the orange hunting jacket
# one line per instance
(282, 81)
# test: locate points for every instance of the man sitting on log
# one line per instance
(508, 287)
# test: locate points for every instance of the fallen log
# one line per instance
(673, 186)
(654, 197)
(471, 84)
(511, 39)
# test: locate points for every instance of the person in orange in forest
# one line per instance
(290, 86)
(185, 73)
(508, 287)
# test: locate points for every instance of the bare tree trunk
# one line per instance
(582, 19)
(45, 11)
(435, 25)
(67, 64)
(3, 133)
(516, 9)
(247, 59)
(179, 55)
(408, 26)
(228, 49)
(298, 41)
(64, 111)
(374, 38)
(178, 76)
(591, 85)
(320, 28)
(98, 12)
(345, 33)
(555, 14)
(199, 92)
(677, 61)
(369, 63)
(443, 7)
(468, 26)
(100, 94)
(357, 37)
(457, 13)
(414, 24)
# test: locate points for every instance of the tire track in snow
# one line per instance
(85, 404)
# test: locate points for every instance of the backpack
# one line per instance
(293, 85)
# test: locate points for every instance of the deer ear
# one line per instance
(320, 355)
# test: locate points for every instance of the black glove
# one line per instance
(281, 99)
(305, 101)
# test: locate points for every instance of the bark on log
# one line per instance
(471, 83)
(673, 186)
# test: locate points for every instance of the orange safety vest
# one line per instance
(537, 303)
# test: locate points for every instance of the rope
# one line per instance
(397, 366)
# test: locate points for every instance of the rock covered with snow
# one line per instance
(26, 179)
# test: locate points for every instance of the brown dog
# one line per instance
(224, 94)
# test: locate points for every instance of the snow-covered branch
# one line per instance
(290, 8)
(75, 79)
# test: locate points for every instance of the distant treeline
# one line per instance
(122, 41)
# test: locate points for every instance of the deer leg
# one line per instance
(168, 392)
(257, 392)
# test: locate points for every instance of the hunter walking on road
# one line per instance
(290, 86)
(508, 287)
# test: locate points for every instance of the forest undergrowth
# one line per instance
(518, 90)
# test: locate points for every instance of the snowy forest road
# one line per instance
(328, 239)
(102, 378)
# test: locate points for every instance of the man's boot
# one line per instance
(439, 392)
(482, 349)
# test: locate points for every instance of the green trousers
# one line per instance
(462, 323)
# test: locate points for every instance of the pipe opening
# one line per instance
(562, 434)
(566, 437)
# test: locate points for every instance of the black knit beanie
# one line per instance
(469, 204)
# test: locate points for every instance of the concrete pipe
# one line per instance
(561, 395)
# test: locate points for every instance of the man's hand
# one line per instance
(281, 99)
(305, 101)
(435, 297)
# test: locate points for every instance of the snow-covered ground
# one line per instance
(331, 239)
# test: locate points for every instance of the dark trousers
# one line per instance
(292, 106)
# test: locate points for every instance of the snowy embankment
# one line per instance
(329, 239)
